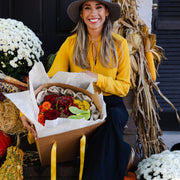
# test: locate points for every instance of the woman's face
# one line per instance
(94, 14)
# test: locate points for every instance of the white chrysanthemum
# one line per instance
(20, 57)
(165, 166)
(29, 62)
(3, 64)
(13, 64)
(157, 178)
(17, 40)
(15, 59)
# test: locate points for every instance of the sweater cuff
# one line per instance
(101, 81)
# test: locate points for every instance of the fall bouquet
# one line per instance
(56, 102)
(20, 48)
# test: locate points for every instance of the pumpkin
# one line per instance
(5, 142)
(130, 176)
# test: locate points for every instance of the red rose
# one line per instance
(51, 114)
(66, 111)
(51, 98)
(65, 101)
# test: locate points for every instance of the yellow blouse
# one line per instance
(111, 81)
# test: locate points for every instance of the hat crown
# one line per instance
(74, 14)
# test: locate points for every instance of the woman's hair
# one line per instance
(107, 48)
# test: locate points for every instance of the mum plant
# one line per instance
(20, 48)
(162, 166)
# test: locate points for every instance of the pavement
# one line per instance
(170, 138)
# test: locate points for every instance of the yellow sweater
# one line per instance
(115, 81)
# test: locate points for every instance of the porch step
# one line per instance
(65, 171)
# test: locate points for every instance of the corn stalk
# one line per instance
(145, 105)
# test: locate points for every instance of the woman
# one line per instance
(96, 51)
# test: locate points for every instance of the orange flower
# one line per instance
(46, 105)
(41, 119)
(42, 110)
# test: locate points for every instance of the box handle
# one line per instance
(53, 161)
(82, 155)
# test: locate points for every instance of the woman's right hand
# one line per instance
(29, 126)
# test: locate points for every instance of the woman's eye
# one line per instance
(98, 7)
(86, 7)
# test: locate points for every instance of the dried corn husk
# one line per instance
(145, 105)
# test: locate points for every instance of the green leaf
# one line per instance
(76, 117)
(87, 115)
(79, 113)
(76, 110)
(50, 60)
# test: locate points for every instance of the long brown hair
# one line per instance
(107, 49)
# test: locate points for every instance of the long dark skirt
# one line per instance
(107, 155)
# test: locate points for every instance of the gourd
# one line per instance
(5, 142)
(130, 176)
(12, 169)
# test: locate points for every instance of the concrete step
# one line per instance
(65, 171)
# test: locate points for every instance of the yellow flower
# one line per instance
(84, 105)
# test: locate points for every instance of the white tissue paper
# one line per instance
(27, 103)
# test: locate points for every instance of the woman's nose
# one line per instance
(93, 11)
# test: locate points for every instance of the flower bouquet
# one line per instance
(56, 102)
(65, 131)
(163, 166)
(20, 48)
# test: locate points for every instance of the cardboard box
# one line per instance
(68, 143)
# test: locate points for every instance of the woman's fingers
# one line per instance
(91, 74)
(29, 126)
(33, 132)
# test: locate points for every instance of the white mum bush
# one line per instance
(20, 48)
(163, 166)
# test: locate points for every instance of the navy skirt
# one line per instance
(107, 155)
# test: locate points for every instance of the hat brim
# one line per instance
(74, 7)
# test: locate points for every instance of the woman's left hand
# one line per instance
(91, 74)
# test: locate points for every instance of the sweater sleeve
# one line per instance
(121, 84)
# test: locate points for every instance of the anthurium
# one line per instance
(78, 113)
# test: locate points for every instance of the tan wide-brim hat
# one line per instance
(73, 9)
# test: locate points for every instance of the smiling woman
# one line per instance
(95, 50)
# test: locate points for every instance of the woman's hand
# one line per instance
(91, 74)
(29, 126)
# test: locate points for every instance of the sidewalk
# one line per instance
(171, 137)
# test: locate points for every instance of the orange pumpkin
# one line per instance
(130, 176)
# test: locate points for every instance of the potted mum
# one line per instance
(20, 48)
(162, 166)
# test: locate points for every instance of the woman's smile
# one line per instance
(94, 20)
(94, 15)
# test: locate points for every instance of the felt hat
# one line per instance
(73, 9)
